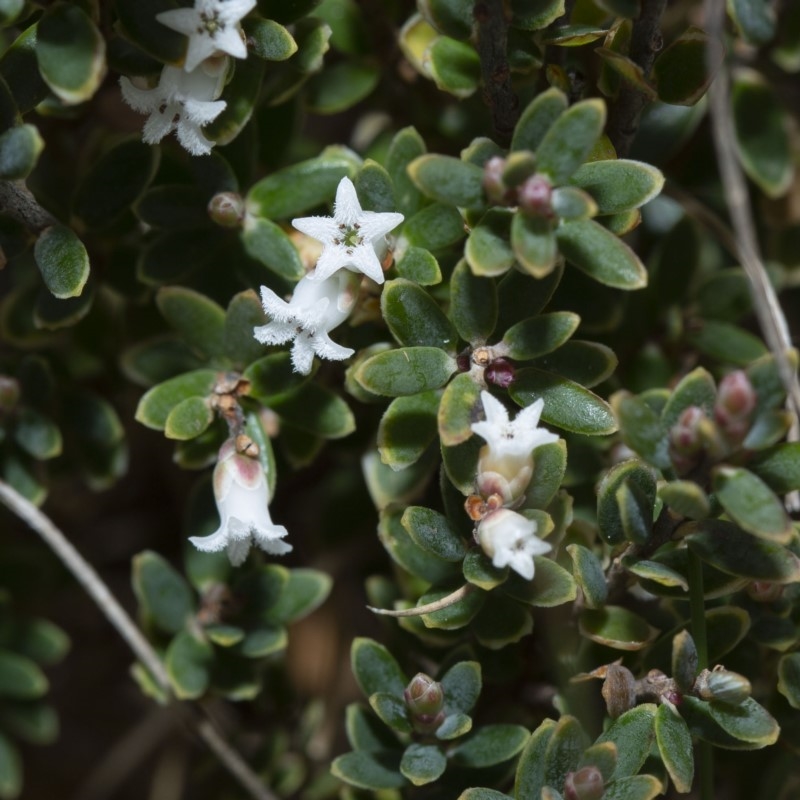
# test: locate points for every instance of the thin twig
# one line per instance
(428, 608)
(492, 27)
(646, 41)
(765, 302)
(96, 588)
(17, 202)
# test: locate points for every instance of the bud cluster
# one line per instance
(425, 703)
(513, 181)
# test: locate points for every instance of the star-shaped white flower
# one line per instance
(315, 309)
(510, 540)
(350, 236)
(212, 27)
(242, 495)
(183, 102)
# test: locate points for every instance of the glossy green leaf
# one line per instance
(636, 511)
(539, 335)
(586, 363)
(761, 134)
(434, 227)
(457, 409)
(375, 668)
(156, 404)
(364, 732)
(726, 342)
(610, 512)
(419, 265)
(20, 678)
(637, 787)
(575, 35)
(374, 187)
(529, 779)
(197, 318)
(675, 747)
(163, 594)
(391, 710)
(751, 503)
(549, 468)
(63, 261)
(20, 147)
(482, 794)
(618, 184)
(414, 317)
(451, 17)
(532, 15)
(406, 145)
(272, 377)
(462, 686)
(501, 621)
(571, 203)
(406, 371)
(454, 726)
(422, 763)
(20, 72)
(407, 429)
(589, 575)
(551, 586)
(341, 86)
(479, 571)
(697, 388)
(268, 39)
(70, 51)
(37, 434)
(537, 118)
(564, 749)
(304, 591)
(633, 733)
(747, 726)
(188, 661)
(488, 251)
(449, 180)
(683, 71)
(686, 498)
(789, 678)
(778, 467)
(268, 243)
(489, 745)
(473, 304)
(454, 66)
(728, 548)
(616, 627)
(316, 409)
(374, 770)
(188, 419)
(534, 244)
(10, 770)
(297, 188)
(456, 616)
(431, 531)
(600, 254)
(754, 19)
(567, 405)
(244, 312)
(653, 571)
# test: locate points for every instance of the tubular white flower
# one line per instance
(505, 462)
(212, 27)
(242, 495)
(315, 309)
(510, 540)
(350, 236)
(182, 102)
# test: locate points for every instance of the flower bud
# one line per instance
(500, 372)
(424, 700)
(226, 209)
(535, 197)
(735, 404)
(585, 784)
(9, 393)
(686, 440)
(493, 183)
(764, 591)
(719, 684)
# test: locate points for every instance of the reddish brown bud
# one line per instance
(535, 197)
(585, 784)
(424, 700)
(493, 183)
(226, 209)
(736, 402)
(500, 372)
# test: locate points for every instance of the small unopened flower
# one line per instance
(351, 238)
(242, 495)
(505, 463)
(212, 27)
(182, 102)
(535, 196)
(424, 700)
(510, 540)
(585, 784)
(735, 404)
(315, 309)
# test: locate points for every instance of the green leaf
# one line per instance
(539, 335)
(761, 134)
(589, 575)
(751, 503)
(244, 312)
(616, 627)
(197, 318)
(637, 787)
(188, 661)
(374, 187)
(434, 227)
(406, 145)
(461, 685)
(529, 780)
(71, 53)
(586, 363)
(163, 594)
(683, 71)
(19, 70)
(364, 732)
(454, 66)
(789, 678)
(297, 188)
(633, 733)
(501, 621)
(570, 139)
(37, 434)
(488, 251)
(675, 747)
(457, 409)
(610, 514)
(600, 254)
(431, 531)
(490, 745)
(454, 726)
(537, 118)
(268, 39)
(113, 183)
(272, 377)
(453, 617)
(686, 498)
(449, 180)
(551, 586)
(566, 745)
(268, 243)
(316, 409)
(534, 244)
(422, 763)
(697, 388)
(341, 86)
(483, 794)
(473, 304)
(571, 203)
(305, 590)
(575, 35)
(20, 678)
(20, 147)
(406, 371)
(63, 261)
(451, 17)
(549, 468)
(778, 467)
(407, 429)
(726, 547)
(532, 16)
(618, 184)
(747, 726)
(754, 19)
(156, 404)
(419, 265)
(414, 317)
(567, 405)
(41, 640)
(375, 668)
(34, 723)
(10, 770)
(726, 342)
(375, 770)
(188, 419)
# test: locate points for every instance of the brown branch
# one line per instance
(17, 203)
(492, 28)
(646, 41)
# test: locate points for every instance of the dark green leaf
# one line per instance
(414, 317)
(163, 594)
(408, 370)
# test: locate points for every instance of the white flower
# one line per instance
(316, 307)
(505, 463)
(350, 236)
(183, 102)
(510, 540)
(212, 27)
(240, 489)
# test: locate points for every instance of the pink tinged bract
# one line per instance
(350, 237)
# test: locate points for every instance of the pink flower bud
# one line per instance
(585, 784)
(501, 373)
(424, 700)
(736, 401)
(226, 209)
(535, 197)
(684, 436)
(493, 183)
